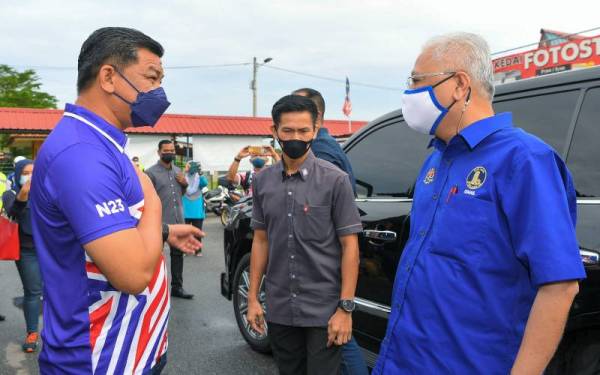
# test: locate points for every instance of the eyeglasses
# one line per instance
(412, 80)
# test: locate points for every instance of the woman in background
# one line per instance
(16, 205)
(193, 200)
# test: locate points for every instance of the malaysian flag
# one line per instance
(347, 108)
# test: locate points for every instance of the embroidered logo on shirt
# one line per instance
(476, 178)
(429, 176)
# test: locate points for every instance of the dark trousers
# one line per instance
(29, 271)
(198, 224)
(176, 268)
(303, 350)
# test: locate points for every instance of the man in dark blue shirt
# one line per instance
(327, 148)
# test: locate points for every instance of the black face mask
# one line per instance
(295, 148)
(167, 158)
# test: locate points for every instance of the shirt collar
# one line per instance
(112, 133)
(478, 131)
(323, 132)
(305, 169)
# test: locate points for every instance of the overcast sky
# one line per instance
(372, 42)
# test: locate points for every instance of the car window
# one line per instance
(387, 161)
(584, 154)
(546, 116)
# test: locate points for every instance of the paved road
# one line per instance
(203, 335)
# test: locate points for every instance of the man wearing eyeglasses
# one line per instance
(491, 266)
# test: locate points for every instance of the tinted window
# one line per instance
(546, 116)
(387, 161)
(584, 154)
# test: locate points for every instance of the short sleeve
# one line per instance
(346, 218)
(258, 219)
(540, 206)
(85, 184)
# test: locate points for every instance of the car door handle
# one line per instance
(381, 235)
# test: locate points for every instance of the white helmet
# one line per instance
(18, 159)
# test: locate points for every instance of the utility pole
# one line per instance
(253, 85)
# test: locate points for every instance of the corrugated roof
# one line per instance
(43, 120)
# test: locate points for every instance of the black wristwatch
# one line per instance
(165, 232)
(347, 305)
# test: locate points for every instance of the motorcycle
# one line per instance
(213, 199)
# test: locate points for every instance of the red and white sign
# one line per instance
(575, 54)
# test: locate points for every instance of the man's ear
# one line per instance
(463, 88)
(105, 78)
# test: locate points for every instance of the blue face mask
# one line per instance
(148, 106)
(258, 163)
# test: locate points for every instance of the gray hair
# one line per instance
(467, 52)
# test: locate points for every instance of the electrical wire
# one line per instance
(549, 40)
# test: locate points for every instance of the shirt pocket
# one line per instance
(314, 223)
(462, 229)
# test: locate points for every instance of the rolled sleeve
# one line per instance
(346, 218)
(258, 219)
(540, 204)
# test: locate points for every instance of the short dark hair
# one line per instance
(294, 103)
(114, 45)
(163, 142)
(313, 95)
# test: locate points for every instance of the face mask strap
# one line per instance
(128, 82)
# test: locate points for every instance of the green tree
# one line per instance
(22, 89)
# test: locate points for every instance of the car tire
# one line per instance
(257, 342)
(578, 354)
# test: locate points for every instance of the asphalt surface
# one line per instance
(203, 334)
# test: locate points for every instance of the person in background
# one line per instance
(3, 187)
(193, 200)
(170, 184)
(137, 163)
(16, 204)
(10, 180)
(258, 163)
(327, 148)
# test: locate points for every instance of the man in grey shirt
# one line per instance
(170, 184)
(305, 223)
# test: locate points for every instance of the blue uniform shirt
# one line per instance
(327, 148)
(493, 219)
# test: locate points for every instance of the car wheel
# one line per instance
(578, 354)
(241, 283)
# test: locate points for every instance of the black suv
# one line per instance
(562, 109)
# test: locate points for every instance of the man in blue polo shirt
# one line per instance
(490, 269)
(97, 219)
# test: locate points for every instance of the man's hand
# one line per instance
(23, 195)
(180, 177)
(339, 329)
(272, 153)
(256, 316)
(244, 153)
(185, 237)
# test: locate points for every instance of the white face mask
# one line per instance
(422, 111)
(23, 180)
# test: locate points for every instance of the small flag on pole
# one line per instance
(347, 108)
